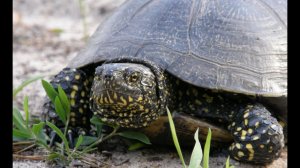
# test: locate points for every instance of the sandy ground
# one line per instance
(46, 35)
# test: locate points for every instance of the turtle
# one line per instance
(219, 64)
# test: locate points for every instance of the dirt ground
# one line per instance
(46, 35)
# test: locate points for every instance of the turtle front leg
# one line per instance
(76, 85)
(258, 137)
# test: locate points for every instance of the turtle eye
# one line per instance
(133, 77)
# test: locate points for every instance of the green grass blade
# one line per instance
(228, 164)
(64, 100)
(196, 156)
(206, 150)
(60, 134)
(21, 134)
(79, 141)
(25, 106)
(60, 110)
(87, 140)
(51, 92)
(37, 130)
(135, 135)
(175, 139)
(18, 120)
(25, 83)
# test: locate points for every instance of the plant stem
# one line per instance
(113, 133)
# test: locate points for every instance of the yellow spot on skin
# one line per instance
(140, 99)
(238, 145)
(243, 136)
(82, 93)
(81, 110)
(115, 96)
(261, 146)
(73, 93)
(198, 102)
(250, 148)
(256, 124)
(246, 115)
(141, 107)
(130, 99)
(77, 77)
(255, 138)
(240, 154)
(251, 155)
(246, 121)
(250, 131)
(146, 110)
(75, 87)
(239, 128)
(145, 124)
(72, 102)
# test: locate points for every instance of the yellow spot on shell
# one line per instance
(73, 119)
(243, 136)
(205, 110)
(146, 110)
(123, 100)
(240, 154)
(67, 78)
(75, 87)
(81, 110)
(105, 100)
(250, 131)
(104, 119)
(246, 115)
(73, 93)
(140, 98)
(251, 155)
(261, 146)
(141, 107)
(77, 77)
(239, 128)
(72, 114)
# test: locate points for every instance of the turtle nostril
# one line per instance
(108, 76)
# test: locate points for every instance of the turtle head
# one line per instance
(126, 94)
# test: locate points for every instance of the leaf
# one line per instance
(206, 150)
(79, 141)
(87, 140)
(53, 156)
(18, 120)
(25, 83)
(37, 130)
(51, 92)
(174, 136)
(64, 100)
(135, 135)
(136, 146)
(196, 156)
(25, 106)
(98, 123)
(228, 164)
(60, 110)
(60, 134)
(18, 134)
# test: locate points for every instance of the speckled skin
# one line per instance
(127, 94)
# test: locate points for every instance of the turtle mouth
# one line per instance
(122, 109)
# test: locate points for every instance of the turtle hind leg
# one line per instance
(76, 85)
(258, 136)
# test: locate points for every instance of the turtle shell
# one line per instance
(236, 46)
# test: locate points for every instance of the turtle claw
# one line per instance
(71, 138)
